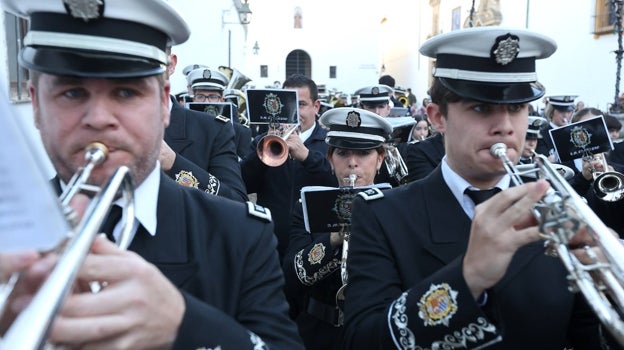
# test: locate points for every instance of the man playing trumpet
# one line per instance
(191, 279)
(429, 267)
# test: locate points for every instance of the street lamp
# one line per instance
(244, 13)
(244, 18)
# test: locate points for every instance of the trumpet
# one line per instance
(395, 165)
(345, 231)
(608, 185)
(31, 327)
(272, 148)
(560, 213)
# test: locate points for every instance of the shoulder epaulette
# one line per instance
(371, 194)
(222, 118)
(259, 211)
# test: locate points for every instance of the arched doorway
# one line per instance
(298, 61)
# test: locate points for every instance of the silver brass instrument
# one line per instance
(346, 232)
(608, 185)
(31, 327)
(272, 148)
(560, 213)
(394, 163)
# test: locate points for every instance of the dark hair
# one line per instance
(299, 81)
(442, 96)
(585, 111)
(612, 122)
(387, 80)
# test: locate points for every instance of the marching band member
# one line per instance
(199, 150)
(312, 262)
(201, 271)
(429, 267)
(558, 111)
(277, 188)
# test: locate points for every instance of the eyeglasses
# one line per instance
(204, 98)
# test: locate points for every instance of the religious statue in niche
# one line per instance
(488, 13)
(298, 17)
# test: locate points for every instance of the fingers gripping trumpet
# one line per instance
(32, 325)
(561, 213)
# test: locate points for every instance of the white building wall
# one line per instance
(349, 34)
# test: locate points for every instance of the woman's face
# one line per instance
(420, 130)
(362, 163)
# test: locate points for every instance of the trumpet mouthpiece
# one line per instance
(96, 152)
(498, 149)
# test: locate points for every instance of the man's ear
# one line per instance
(437, 120)
(35, 103)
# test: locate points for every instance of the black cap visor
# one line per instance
(87, 64)
(352, 143)
(497, 93)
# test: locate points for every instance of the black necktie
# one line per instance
(480, 196)
(111, 220)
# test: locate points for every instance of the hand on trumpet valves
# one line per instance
(501, 225)
(594, 164)
(297, 149)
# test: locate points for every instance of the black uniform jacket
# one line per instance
(242, 138)
(312, 273)
(221, 256)
(205, 148)
(424, 156)
(544, 144)
(406, 288)
(278, 188)
(223, 260)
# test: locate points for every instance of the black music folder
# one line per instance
(225, 109)
(581, 138)
(325, 209)
(266, 106)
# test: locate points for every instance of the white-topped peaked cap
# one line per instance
(192, 67)
(98, 38)
(562, 102)
(207, 79)
(535, 124)
(374, 93)
(490, 64)
(355, 128)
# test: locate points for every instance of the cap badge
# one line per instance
(505, 49)
(85, 9)
(580, 137)
(207, 74)
(353, 119)
(375, 91)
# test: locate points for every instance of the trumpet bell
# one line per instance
(272, 150)
(609, 186)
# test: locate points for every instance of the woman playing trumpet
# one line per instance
(312, 260)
